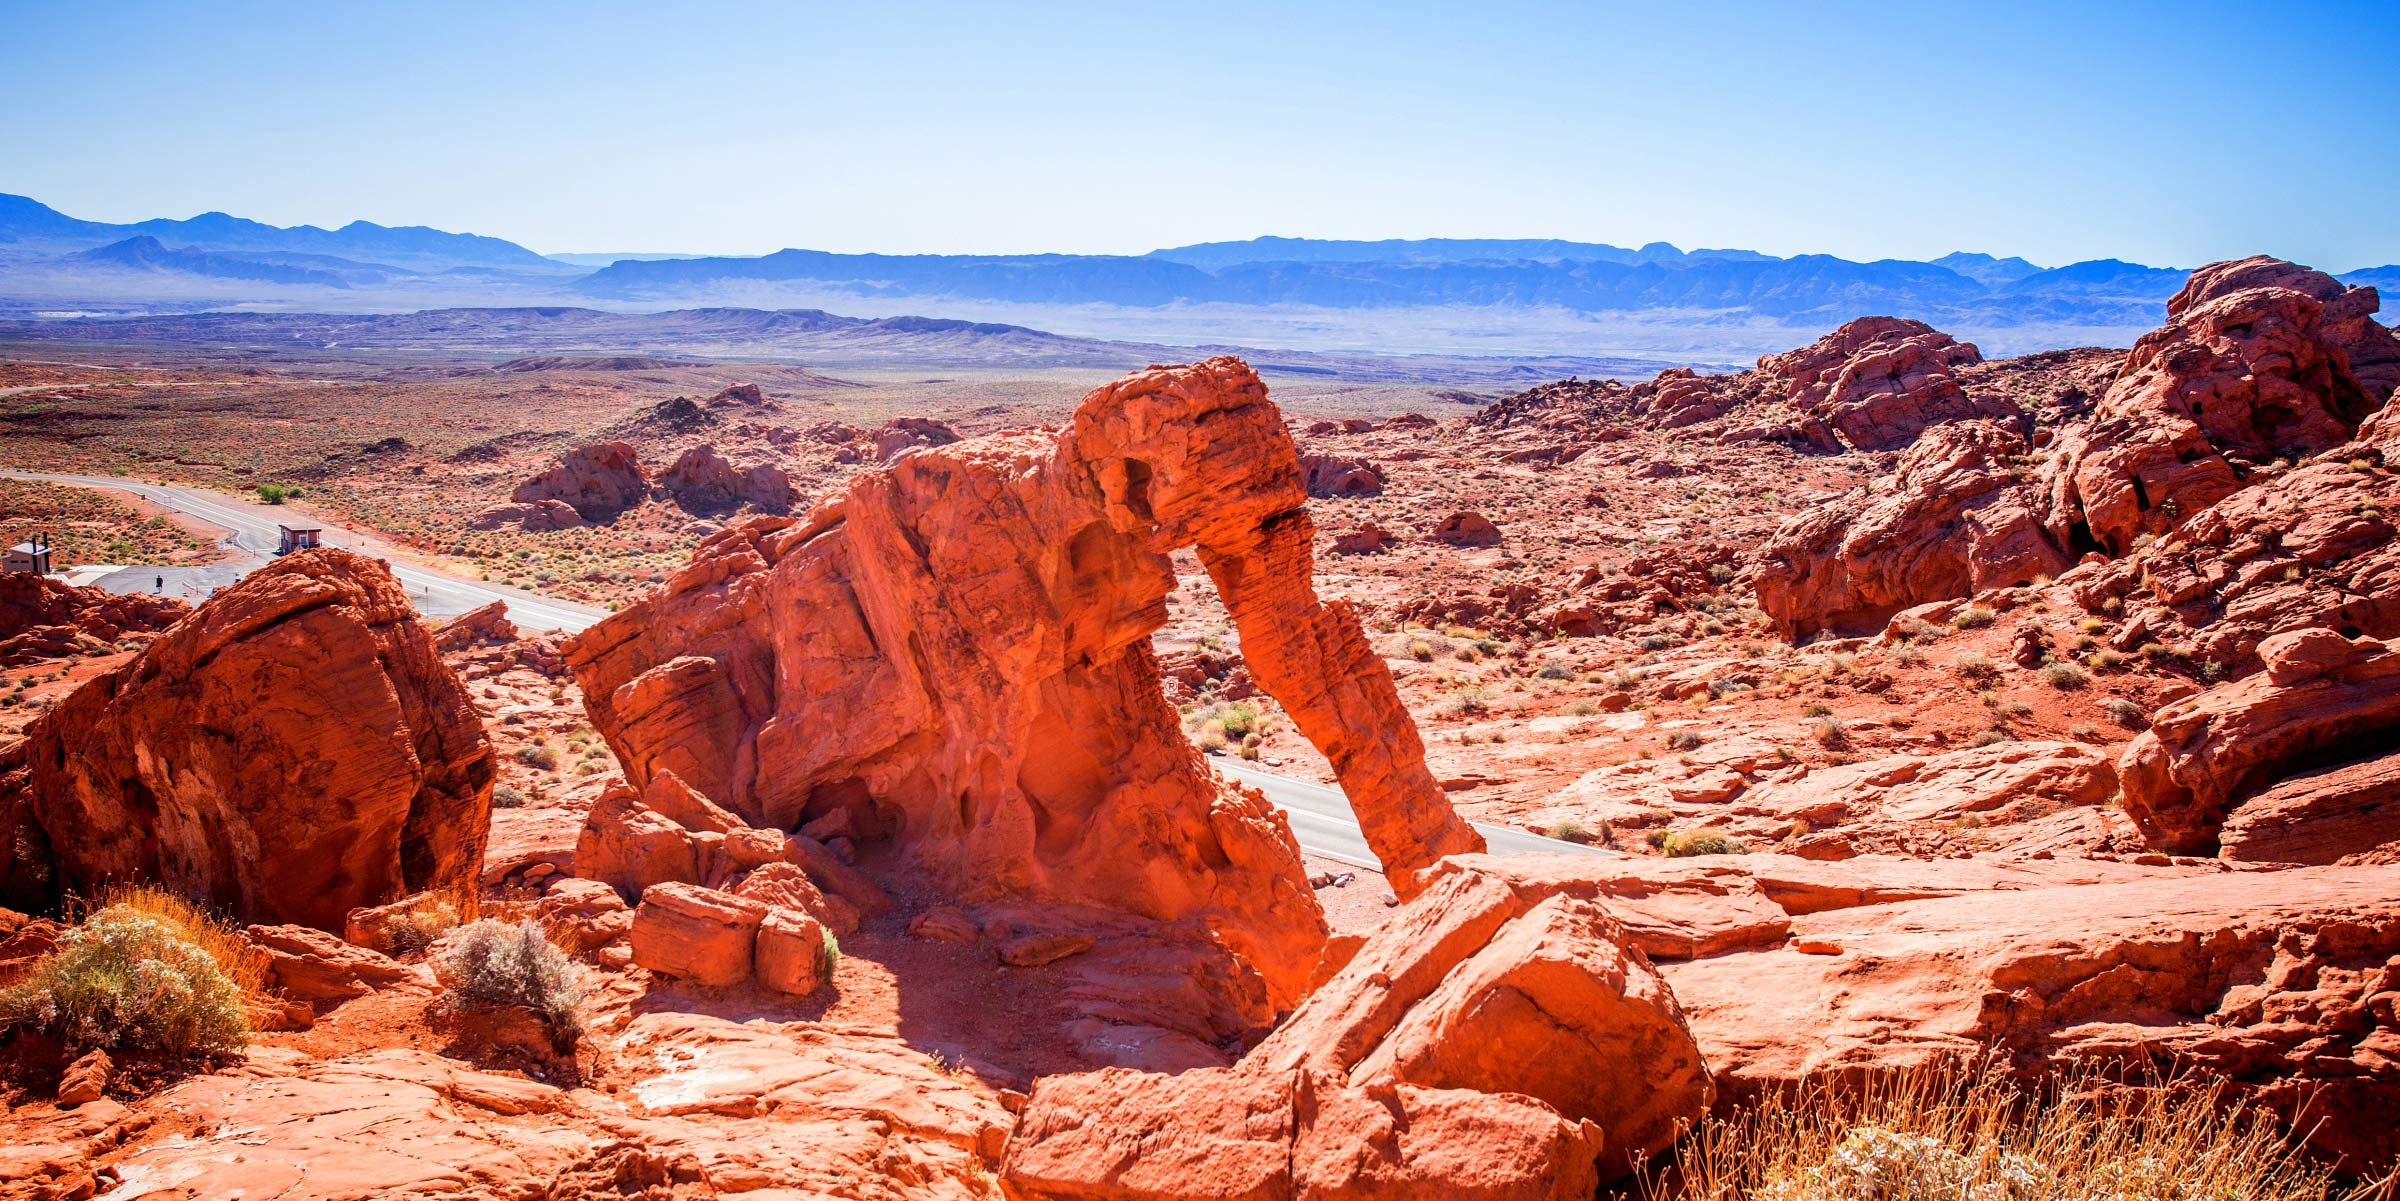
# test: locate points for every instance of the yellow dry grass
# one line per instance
(1980, 1136)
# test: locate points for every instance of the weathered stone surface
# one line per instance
(1956, 516)
(789, 956)
(480, 626)
(2238, 376)
(2318, 817)
(1218, 1135)
(534, 517)
(598, 481)
(698, 934)
(41, 617)
(1880, 381)
(2322, 699)
(1496, 985)
(1467, 528)
(903, 434)
(2268, 978)
(86, 1079)
(292, 751)
(958, 646)
(1336, 475)
(314, 967)
(702, 480)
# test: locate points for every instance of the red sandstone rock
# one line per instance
(2237, 377)
(41, 617)
(959, 643)
(598, 481)
(1881, 381)
(85, 1080)
(1117, 1135)
(2265, 978)
(2319, 817)
(785, 886)
(2373, 349)
(2322, 698)
(903, 434)
(789, 955)
(698, 934)
(1467, 529)
(314, 967)
(1334, 475)
(536, 517)
(475, 627)
(302, 717)
(703, 481)
(1499, 985)
(1954, 518)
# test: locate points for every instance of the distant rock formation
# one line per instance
(598, 481)
(956, 650)
(293, 750)
(903, 434)
(702, 480)
(43, 618)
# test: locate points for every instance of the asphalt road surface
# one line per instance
(253, 540)
(1322, 820)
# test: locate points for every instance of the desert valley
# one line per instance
(1525, 602)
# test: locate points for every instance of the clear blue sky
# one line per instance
(2166, 133)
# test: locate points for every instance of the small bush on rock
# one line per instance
(131, 981)
(494, 963)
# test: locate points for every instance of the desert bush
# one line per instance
(1567, 829)
(1581, 708)
(1684, 844)
(1989, 738)
(421, 924)
(494, 963)
(1976, 666)
(506, 797)
(135, 980)
(1655, 642)
(1555, 670)
(538, 754)
(1685, 740)
(1420, 650)
(2123, 712)
(1979, 1136)
(1974, 617)
(1472, 699)
(2064, 676)
(275, 494)
(1829, 731)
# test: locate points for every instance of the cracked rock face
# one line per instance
(293, 750)
(956, 650)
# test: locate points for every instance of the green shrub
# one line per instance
(493, 963)
(538, 754)
(275, 494)
(131, 981)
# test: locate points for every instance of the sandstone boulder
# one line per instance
(482, 626)
(292, 751)
(701, 480)
(957, 647)
(1467, 528)
(1120, 1135)
(697, 934)
(1337, 475)
(1491, 984)
(598, 481)
(2237, 377)
(790, 955)
(37, 613)
(903, 434)
(1881, 381)
(2322, 699)
(2319, 817)
(538, 517)
(2269, 979)
(1956, 516)
(1367, 539)
(314, 967)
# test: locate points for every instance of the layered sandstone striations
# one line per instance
(954, 651)
(291, 751)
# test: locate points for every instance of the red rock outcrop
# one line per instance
(2349, 317)
(1467, 528)
(956, 649)
(1518, 1003)
(2277, 981)
(1337, 475)
(903, 434)
(598, 481)
(43, 618)
(702, 480)
(2247, 369)
(2318, 545)
(539, 517)
(291, 751)
(1880, 381)
(2322, 699)
(1956, 516)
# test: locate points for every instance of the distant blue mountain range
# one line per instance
(1697, 286)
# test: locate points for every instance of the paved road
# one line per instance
(1322, 820)
(253, 539)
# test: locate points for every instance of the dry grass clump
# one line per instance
(146, 973)
(1978, 1136)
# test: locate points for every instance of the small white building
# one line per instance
(31, 556)
(298, 535)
